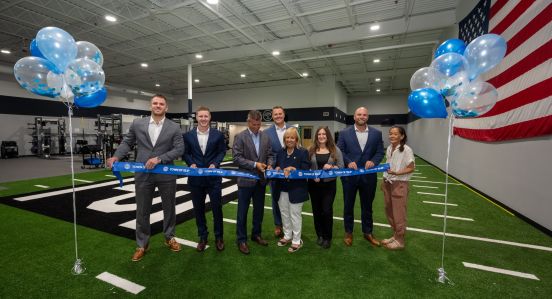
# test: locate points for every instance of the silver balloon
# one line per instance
(89, 50)
(477, 99)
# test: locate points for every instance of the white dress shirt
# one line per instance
(154, 129)
(202, 138)
(362, 137)
(280, 132)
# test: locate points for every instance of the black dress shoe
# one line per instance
(326, 244)
(260, 241)
(219, 244)
(201, 246)
(243, 248)
(319, 241)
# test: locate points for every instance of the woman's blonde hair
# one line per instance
(292, 131)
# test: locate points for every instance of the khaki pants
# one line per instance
(395, 196)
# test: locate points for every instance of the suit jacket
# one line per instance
(338, 162)
(214, 154)
(298, 190)
(169, 146)
(349, 146)
(275, 141)
(245, 155)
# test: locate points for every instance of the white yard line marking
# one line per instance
(188, 243)
(229, 220)
(438, 233)
(42, 186)
(84, 181)
(436, 194)
(120, 282)
(452, 217)
(110, 175)
(419, 177)
(227, 162)
(423, 165)
(501, 271)
(268, 194)
(431, 187)
(440, 203)
(69, 190)
(420, 181)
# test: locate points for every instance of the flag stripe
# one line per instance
(541, 20)
(501, 13)
(496, 7)
(532, 94)
(515, 13)
(531, 128)
(539, 56)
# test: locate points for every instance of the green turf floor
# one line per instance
(37, 253)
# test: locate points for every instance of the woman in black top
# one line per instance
(323, 154)
(293, 192)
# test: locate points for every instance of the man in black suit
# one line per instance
(253, 154)
(205, 148)
(362, 146)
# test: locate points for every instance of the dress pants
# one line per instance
(199, 194)
(292, 220)
(366, 187)
(396, 196)
(144, 196)
(245, 195)
(322, 196)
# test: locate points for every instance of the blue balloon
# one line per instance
(35, 51)
(427, 103)
(91, 100)
(32, 74)
(484, 53)
(450, 63)
(57, 45)
(451, 46)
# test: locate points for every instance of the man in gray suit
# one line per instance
(159, 141)
(253, 154)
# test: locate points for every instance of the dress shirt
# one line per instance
(154, 129)
(280, 132)
(362, 137)
(202, 138)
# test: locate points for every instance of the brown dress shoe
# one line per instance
(138, 254)
(219, 244)
(348, 240)
(243, 248)
(173, 245)
(278, 233)
(260, 241)
(370, 238)
(201, 246)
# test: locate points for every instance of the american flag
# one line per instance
(523, 79)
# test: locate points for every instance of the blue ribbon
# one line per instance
(119, 167)
(324, 174)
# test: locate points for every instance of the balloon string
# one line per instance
(442, 274)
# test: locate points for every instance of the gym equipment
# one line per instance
(92, 156)
(9, 149)
(42, 136)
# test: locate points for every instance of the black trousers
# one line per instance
(322, 196)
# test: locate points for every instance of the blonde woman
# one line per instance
(293, 192)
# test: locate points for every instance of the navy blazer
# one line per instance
(214, 154)
(274, 141)
(350, 148)
(297, 189)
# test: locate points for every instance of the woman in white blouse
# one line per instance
(395, 185)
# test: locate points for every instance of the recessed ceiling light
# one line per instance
(377, 60)
(4, 51)
(143, 64)
(374, 27)
(242, 75)
(157, 85)
(196, 80)
(378, 90)
(305, 74)
(212, 2)
(111, 18)
(199, 56)
(377, 79)
(275, 53)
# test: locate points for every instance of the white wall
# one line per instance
(514, 173)
(393, 104)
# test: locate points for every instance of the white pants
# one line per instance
(291, 218)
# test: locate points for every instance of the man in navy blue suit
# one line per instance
(362, 146)
(276, 134)
(205, 148)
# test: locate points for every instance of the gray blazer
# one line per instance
(339, 163)
(169, 146)
(245, 155)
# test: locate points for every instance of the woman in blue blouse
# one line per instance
(293, 192)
